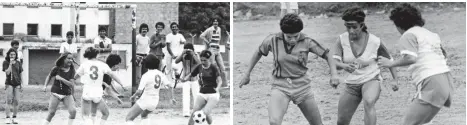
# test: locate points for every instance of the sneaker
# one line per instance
(186, 115)
(13, 120)
(7, 121)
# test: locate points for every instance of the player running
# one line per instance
(356, 52)
(151, 83)
(290, 49)
(421, 50)
(209, 94)
(62, 88)
(112, 61)
(13, 69)
(189, 60)
(91, 73)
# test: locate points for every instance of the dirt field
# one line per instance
(34, 103)
(250, 102)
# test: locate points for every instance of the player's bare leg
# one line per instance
(278, 104)
(198, 105)
(69, 102)
(347, 106)
(310, 110)
(135, 111)
(208, 108)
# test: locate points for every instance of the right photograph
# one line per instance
(349, 63)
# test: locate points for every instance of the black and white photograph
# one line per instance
(115, 63)
(349, 63)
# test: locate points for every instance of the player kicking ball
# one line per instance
(91, 73)
(150, 82)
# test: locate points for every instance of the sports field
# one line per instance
(251, 101)
(34, 103)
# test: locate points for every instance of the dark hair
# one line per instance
(291, 23)
(173, 23)
(151, 61)
(355, 14)
(102, 28)
(14, 42)
(7, 57)
(69, 33)
(143, 25)
(206, 54)
(60, 63)
(113, 59)
(189, 46)
(90, 53)
(161, 24)
(216, 19)
(406, 16)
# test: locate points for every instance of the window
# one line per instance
(82, 30)
(32, 29)
(33, 3)
(8, 6)
(56, 7)
(82, 3)
(56, 29)
(106, 3)
(8, 29)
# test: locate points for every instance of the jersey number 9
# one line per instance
(94, 74)
(158, 82)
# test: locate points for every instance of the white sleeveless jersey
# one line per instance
(92, 73)
(427, 48)
(367, 67)
(151, 83)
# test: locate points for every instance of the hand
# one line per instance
(384, 62)
(349, 68)
(133, 98)
(335, 81)
(59, 78)
(44, 89)
(174, 101)
(394, 84)
(245, 80)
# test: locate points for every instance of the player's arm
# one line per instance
(114, 77)
(6, 67)
(409, 56)
(193, 73)
(324, 53)
(66, 82)
(140, 89)
(338, 53)
(384, 52)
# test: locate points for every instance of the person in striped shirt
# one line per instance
(212, 38)
(290, 49)
(356, 52)
(422, 52)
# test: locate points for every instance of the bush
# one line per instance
(196, 17)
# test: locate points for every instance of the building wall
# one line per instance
(149, 13)
(45, 16)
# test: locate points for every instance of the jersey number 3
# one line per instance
(158, 82)
(94, 74)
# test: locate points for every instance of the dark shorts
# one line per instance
(356, 89)
(297, 89)
(436, 90)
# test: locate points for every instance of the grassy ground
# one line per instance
(34, 103)
(391, 105)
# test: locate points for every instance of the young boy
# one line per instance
(151, 82)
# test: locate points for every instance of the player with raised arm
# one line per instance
(148, 92)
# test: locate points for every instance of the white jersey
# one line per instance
(175, 42)
(92, 74)
(151, 82)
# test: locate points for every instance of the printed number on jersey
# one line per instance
(94, 74)
(158, 82)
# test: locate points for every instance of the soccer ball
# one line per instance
(199, 117)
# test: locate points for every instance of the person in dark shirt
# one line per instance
(157, 42)
(208, 96)
(12, 68)
(62, 88)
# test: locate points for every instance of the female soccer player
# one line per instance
(290, 49)
(356, 52)
(189, 60)
(91, 73)
(421, 50)
(62, 88)
(12, 68)
(209, 94)
(151, 83)
(112, 61)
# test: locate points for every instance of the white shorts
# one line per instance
(149, 104)
(212, 96)
(94, 96)
(93, 99)
(59, 96)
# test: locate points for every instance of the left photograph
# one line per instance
(115, 63)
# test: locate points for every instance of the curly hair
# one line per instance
(406, 16)
(14, 42)
(102, 28)
(143, 25)
(90, 53)
(355, 14)
(161, 24)
(113, 59)
(69, 33)
(173, 23)
(291, 23)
